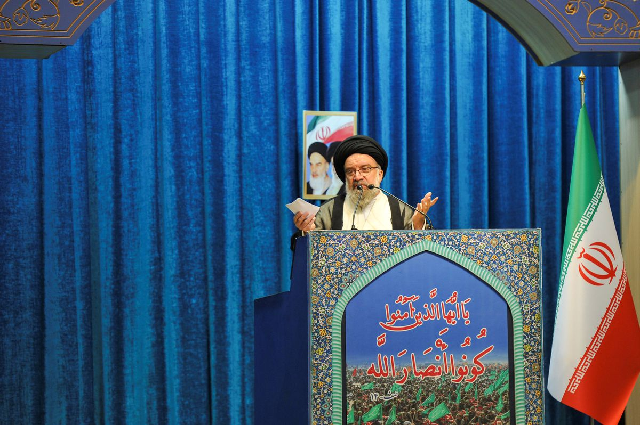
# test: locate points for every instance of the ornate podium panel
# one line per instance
(464, 339)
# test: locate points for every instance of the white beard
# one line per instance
(367, 196)
(317, 184)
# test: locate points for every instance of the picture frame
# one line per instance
(321, 133)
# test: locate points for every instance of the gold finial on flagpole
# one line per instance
(582, 79)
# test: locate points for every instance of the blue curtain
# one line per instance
(144, 172)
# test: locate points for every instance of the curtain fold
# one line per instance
(144, 172)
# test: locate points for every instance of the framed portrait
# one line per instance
(322, 133)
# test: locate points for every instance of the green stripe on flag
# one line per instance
(315, 121)
(585, 179)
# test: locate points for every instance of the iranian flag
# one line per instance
(330, 128)
(595, 356)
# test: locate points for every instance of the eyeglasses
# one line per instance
(351, 172)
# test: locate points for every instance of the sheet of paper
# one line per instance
(300, 205)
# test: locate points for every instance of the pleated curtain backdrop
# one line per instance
(144, 172)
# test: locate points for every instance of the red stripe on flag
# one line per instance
(340, 134)
(604, 390)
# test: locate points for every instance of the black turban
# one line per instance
(359, 144)
(332, 150)
(318, 147)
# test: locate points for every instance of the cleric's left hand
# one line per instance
(424, 206)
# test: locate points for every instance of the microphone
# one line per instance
(429, 225)
(353, 222)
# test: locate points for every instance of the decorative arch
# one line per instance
(571, 32)
(38, 29)
(370, 275)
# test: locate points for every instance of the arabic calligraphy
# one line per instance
(408, 315)
(400, 321)
(386, 367)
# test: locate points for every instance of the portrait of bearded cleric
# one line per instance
(323, 131)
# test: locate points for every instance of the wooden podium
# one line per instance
(426, 326)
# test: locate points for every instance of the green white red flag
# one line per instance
(330, 128)
(595, 355)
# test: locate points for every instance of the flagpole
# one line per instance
(582, 78)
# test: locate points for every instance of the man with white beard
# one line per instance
(319, 180)
(360, 161)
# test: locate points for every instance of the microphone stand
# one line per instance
(429, 225)
(353, 222)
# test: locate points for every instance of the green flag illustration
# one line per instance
(350, 417)
(502, 378)
(395, 388)
(504, 388)
(429, 400)
(373, 414)
(368, 386)
(419, 394)
(469, 386)
(392, 416)
(439, 411)
(491, 388)
(500, 406)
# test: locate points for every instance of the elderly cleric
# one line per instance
(360, 161)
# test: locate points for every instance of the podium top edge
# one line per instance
(471, 230)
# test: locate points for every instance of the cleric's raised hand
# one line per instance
(424, 205)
